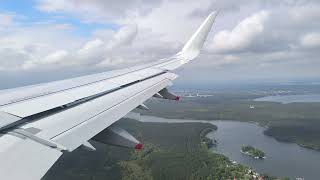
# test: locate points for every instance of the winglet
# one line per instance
(193, 46)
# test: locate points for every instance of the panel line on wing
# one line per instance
(35, 138)
(82, 85)
(72, 104)
(108, 109)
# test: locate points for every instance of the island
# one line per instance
(253, 152)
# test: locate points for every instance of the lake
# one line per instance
(285, 99)
(282, 159)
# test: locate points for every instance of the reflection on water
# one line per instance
(283, 159)
(291, 98)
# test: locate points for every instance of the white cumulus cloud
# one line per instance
(242, 36)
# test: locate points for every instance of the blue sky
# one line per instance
(28, 13)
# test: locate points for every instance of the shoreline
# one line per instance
(221, 126)
(160, 120)
(309, 147)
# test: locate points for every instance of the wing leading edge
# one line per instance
(39, 123)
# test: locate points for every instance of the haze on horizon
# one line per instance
(43, 40)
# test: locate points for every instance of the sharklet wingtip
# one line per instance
(195, 43)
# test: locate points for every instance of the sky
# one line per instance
(251, 40)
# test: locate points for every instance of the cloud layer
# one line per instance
(254, 38)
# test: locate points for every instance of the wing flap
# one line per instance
(90, 128)
(24, 158)
(98, 113)
(7, 119)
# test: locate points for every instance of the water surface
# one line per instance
(282, 159)
(291, 98)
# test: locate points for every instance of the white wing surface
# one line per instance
(39, 123)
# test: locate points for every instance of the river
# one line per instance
(285, 99)
(282, 159)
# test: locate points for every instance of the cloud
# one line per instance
(276, 36)
(311, 40)
(12, 59)
(231, 58)
(55, 57)
(242, 36)
(99, 10)
(308, 13)
(91, 47)
(6, 19)
(63, 26)
(124, 36)
(51, 46)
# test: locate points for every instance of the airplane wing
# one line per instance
(41, 122)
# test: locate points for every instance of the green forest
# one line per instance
(171, 151)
